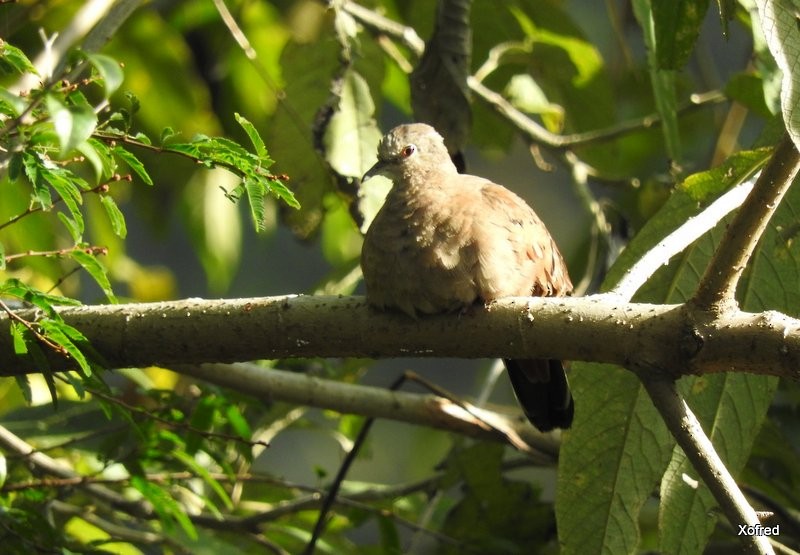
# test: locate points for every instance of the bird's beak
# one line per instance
(378, 169)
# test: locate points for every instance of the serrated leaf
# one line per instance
(66, 185)
(115, 216)
(55, 331)
(96, 270)
(41, 192)
(134, 164)
(109, 70)
(252, 133)
(255, 199)
(13, 57)
(73, 124)
(24, 385)
(18, 338)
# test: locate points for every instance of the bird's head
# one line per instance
(412, 149)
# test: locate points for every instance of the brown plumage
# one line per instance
(443, 241)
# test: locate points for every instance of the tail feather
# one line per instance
(542, 390)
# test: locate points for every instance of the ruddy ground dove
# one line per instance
(443, 241)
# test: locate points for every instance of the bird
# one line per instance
(444, 241)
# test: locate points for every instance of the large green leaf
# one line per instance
(307, 70)
(619, 448)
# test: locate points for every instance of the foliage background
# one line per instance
(185, 238)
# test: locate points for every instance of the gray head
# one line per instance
(412, 149)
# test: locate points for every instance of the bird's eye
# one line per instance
(408, 151)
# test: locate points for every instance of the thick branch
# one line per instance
(598, 328)
(718, 286)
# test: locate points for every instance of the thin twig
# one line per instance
(689, 434)
(717, 289)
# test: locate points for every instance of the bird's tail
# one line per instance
(542, 389)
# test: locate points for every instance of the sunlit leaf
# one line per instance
(109, 70)
(14, 59)
(73, 124)
(255, 138)
(13, 104)
(255, 198)
(58, 334)
(115, 216)
(133, 163)
(96, 270)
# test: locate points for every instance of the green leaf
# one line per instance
(75, 228)
(114, 215)
(24, 385)
(203, 473)
(748, 89)
(167, 508)
(779, 24)
(255, 138)
(238, 422)
(495, 514)
(41, 192)
(133, 163)
(619, 448)
(73, 124)
(109, 70)
(58, 333)
(96, 270)
(100, 157)
(351, 138)
(677, 26)
(525, 94)
(255, 199)
(307, 70)
(67, 186)
(18, 338)
(662, 81)
(201, 421)
(12, 58)
(15, 104)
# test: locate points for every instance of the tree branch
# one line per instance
(595, 328)
(718, 286)
(689, 434)
(425, 410)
